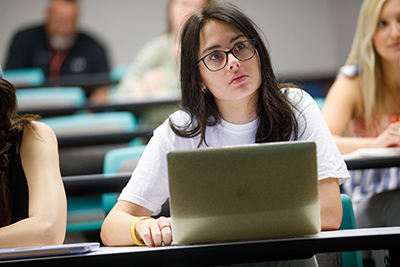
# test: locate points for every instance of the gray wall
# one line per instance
(307, 38)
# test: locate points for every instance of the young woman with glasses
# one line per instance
(230, 96)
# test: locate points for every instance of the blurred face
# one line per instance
(61, 23)
(387, 34)
(238, 80)
(180, 11)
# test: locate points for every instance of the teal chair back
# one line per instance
(320, 101)
(90, 123)
(349, 258)
(119, 71)
(25, 77)
(86, 213)
(119, 160)
(50, 97)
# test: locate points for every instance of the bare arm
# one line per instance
(344, 102)
(330, 204)
(46, 223)
(115, 228)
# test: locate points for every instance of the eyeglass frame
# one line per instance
(252, 41)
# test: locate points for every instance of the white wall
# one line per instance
(307, 38)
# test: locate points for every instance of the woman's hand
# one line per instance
(117, 226)
(154, 232)
(390, 137)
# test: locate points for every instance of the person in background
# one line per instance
(33, 209)
(59, 48)
(362, 111)
(230, 96)
(154, 72)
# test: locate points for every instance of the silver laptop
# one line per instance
(239, 193)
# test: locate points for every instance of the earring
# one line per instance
(203, 89)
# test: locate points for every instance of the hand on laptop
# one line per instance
(155, 232)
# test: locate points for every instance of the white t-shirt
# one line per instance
(148, 186)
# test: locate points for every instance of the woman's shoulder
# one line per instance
(152, 50)
(296, 94)
(349, 71)
(38, 140)
(159, 42)
(348, 80)
(36, 130)
(40, 127)
(345, 94)
(347, 86)
(292, 91)
(167, 133)
(180, 118)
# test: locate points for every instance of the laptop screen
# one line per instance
(244, 192)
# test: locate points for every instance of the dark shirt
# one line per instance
(29, 49)
(18, 186)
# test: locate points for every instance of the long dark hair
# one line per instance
(276, 117)
(10, 126)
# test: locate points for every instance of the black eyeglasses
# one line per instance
(217, 60)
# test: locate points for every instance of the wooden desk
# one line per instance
(235, 252)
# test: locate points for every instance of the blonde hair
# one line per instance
(364, 55)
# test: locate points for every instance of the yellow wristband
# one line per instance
(133, 231)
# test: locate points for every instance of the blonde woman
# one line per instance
(362, 110)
